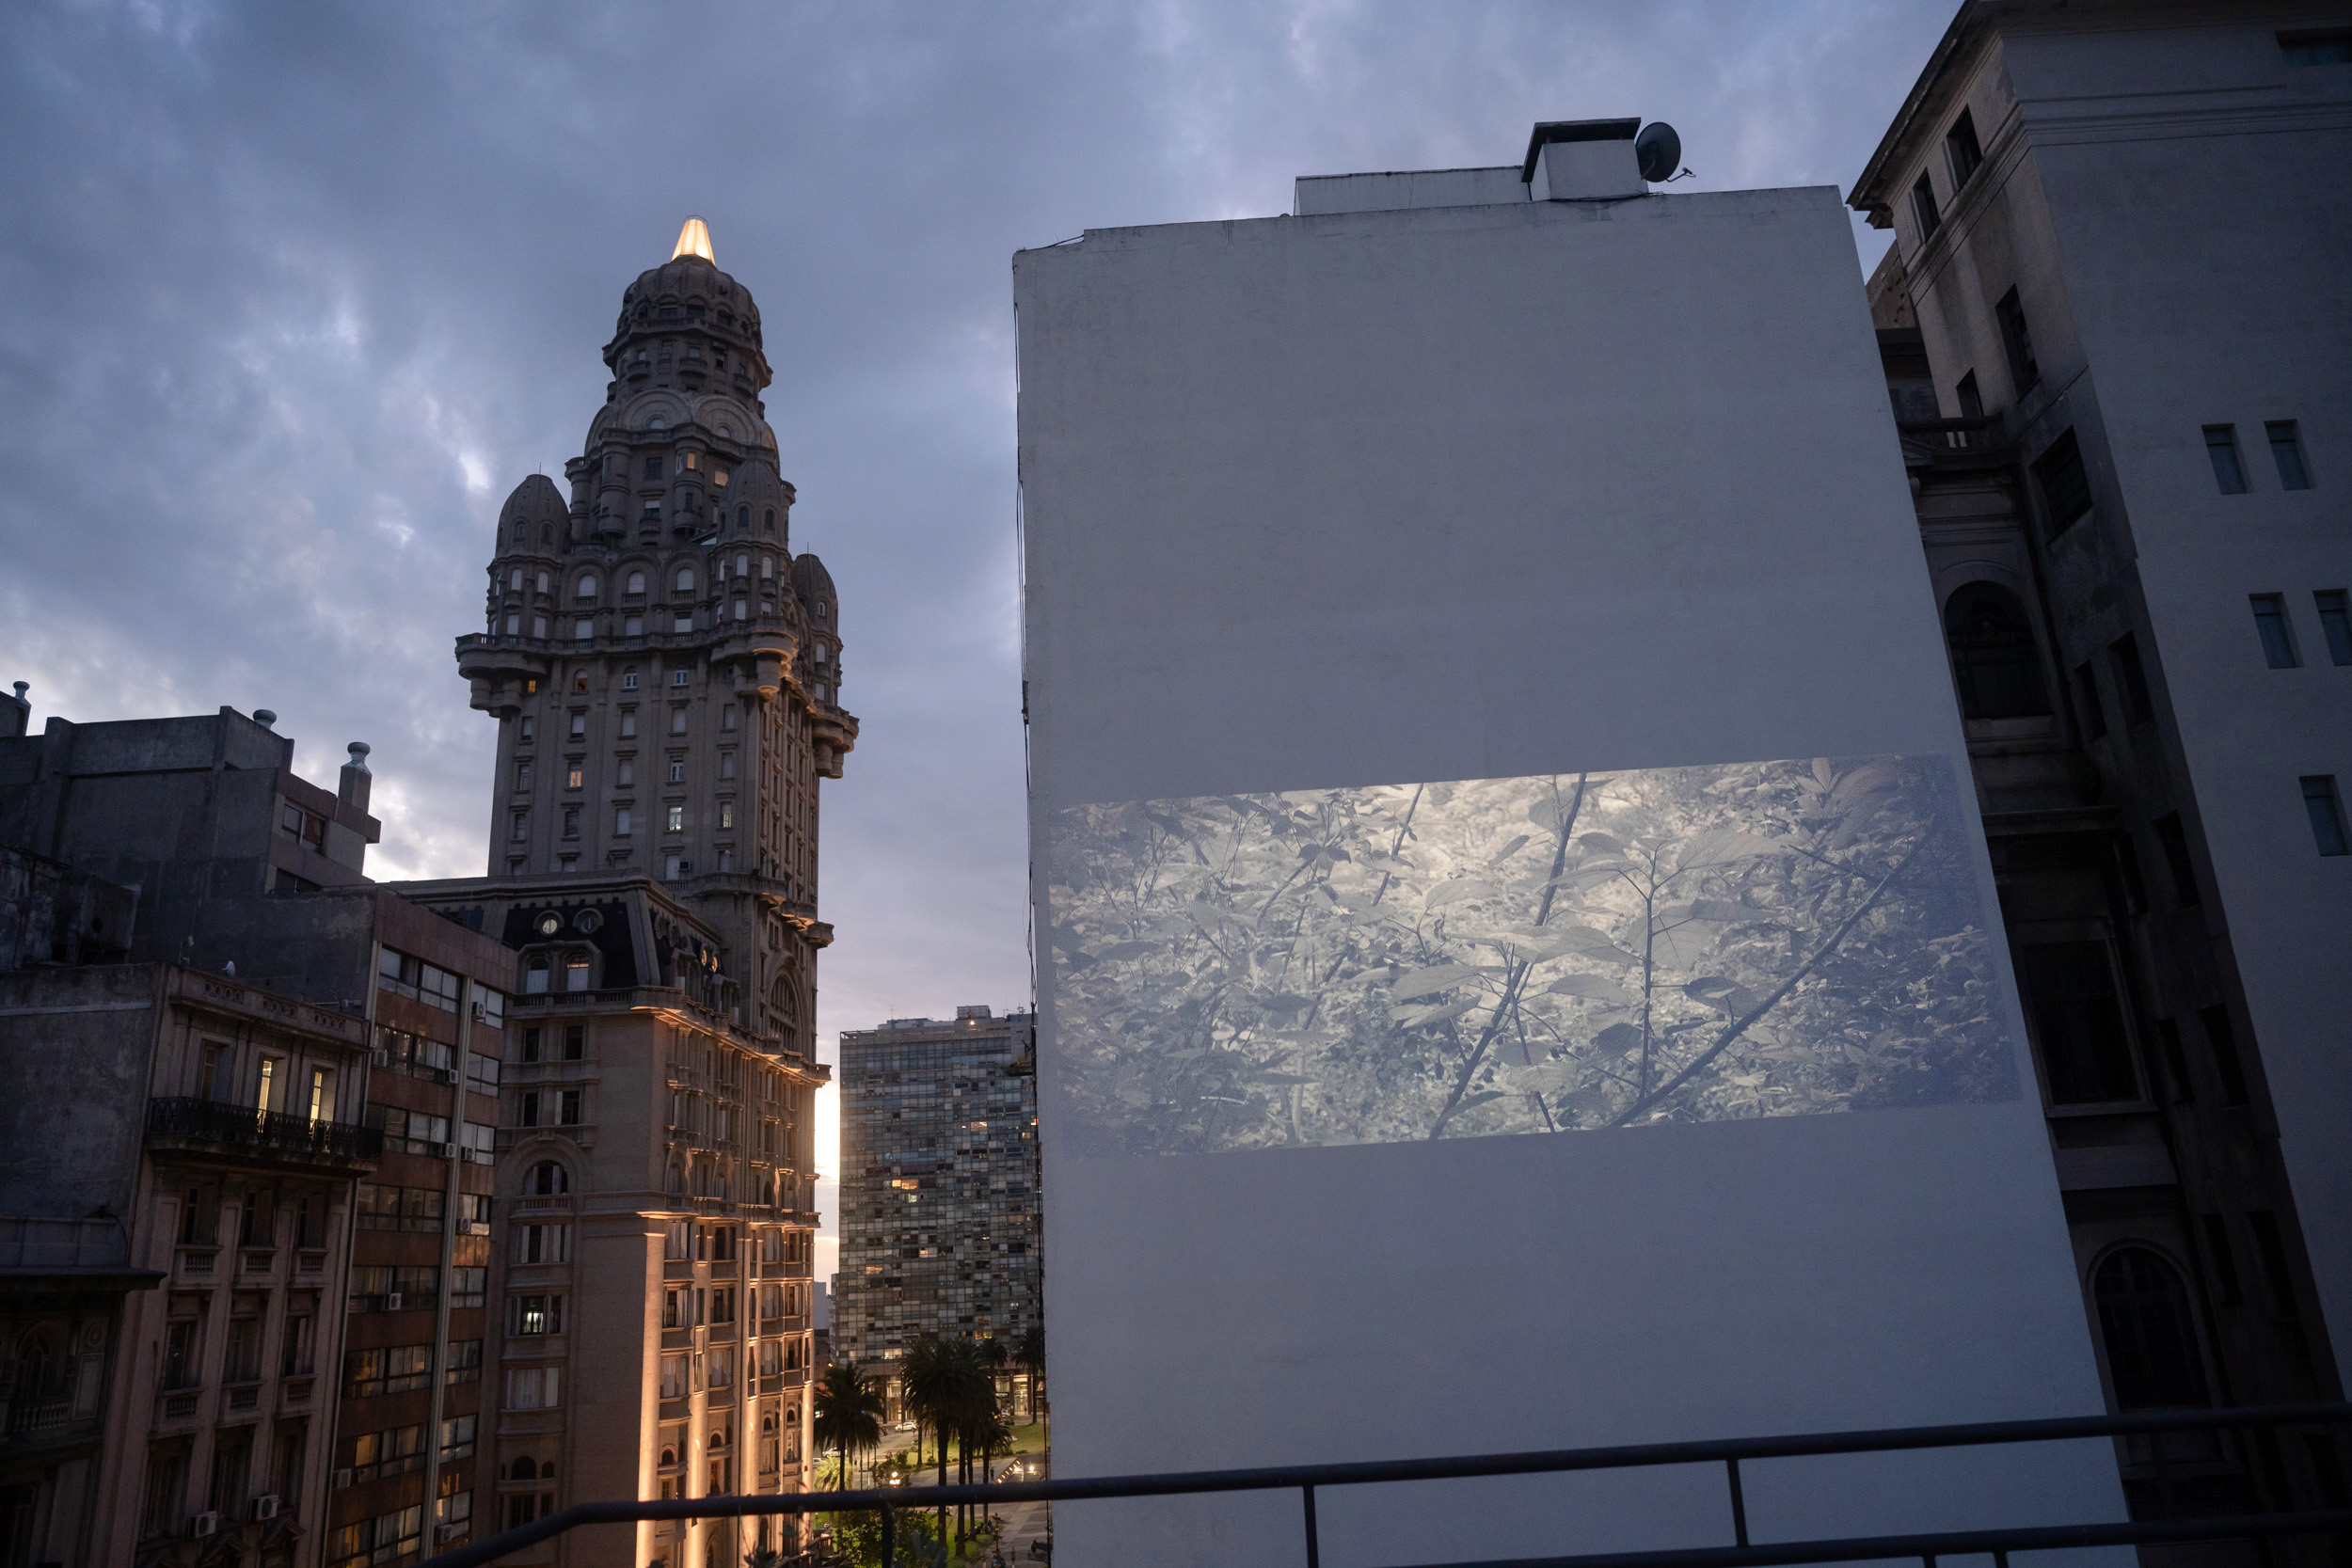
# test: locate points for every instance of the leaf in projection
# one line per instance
(1722, 846)
(1721, 909)
(1284, 1001)
(1481, 1098)
(1517, 843)
(1130, 949)
(1267, 1076)
(1728, 997)
(1454, 892)
(1618, 1038)
(1824, 772)
(1438, 978)
(1874, 777)
(1543, 1078)
(1414, 1018)
(1597, 843)
(1592, 988)
(1586, 943)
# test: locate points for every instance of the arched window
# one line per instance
(514, 580)
(742, 564)
(522, 533)
(1994, 663)
(587, 589)
(2150, 1333)
(548, 1178)
(686, 579)
(628, 678)
(543, 582)
(535, 975)
(525, 1470)
(767, 567)
(769, 524)
(636, 582)
(742, 517)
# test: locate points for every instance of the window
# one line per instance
(543, 582)
(624, 772)
(2229, 469)
(548, 1178)
(2095, 711)
(2173, 840)
(653, 468)
(2150, 1338)
(535, 1389)
(522, 775)
(571, 822)
(391, 1370)
(2326, 813)
(767, 567)
(726, 765)
(677, 1241)
(567, 1108)
(628, 678)
(2024, 372)
(2070, 991)
(620, 826)
(1996, 663)
(673, 1375)
(1923, 208)
(576, 972)
(467, 1284)
(2270, 624)
(2131, 677)
(682, 622)
(726, 813)
(686, 579)
(674, 819)
(457, 1436)
(767, 523)
(529, 725)
(574, 1042)
(2325, 46)
(1961, 149)
(693, 462)
(521, 828)
(584, 628)
(742, 609)
(2335, 623)
(677, 721)
(2221, 1038)
(719, 1365)
(2064, 481)
(543, 1244)
(2286, 450)
(679, 677)
(587, 589)
(535, 1314)
(629, 723)
(678, 772)
(726, 717)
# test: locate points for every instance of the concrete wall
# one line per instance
(77, 1045)
(1484, 492)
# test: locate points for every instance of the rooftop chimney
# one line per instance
(17, 715)
(353, 791)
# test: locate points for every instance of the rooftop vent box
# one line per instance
(1583, 160)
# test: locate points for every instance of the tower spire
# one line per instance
(694, 240)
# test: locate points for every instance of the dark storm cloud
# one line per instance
(296, 293)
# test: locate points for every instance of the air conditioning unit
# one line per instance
(444, 1075)
(265, 1507)
(341, 1478)
(204, 1524)
(442, 1532)
(448, 1151)
(380, 1057)
(477, 1012)
(391, 1301)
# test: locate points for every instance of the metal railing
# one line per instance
(1728, 1452)
(211, 1121)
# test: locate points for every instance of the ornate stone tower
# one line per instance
(665, 672)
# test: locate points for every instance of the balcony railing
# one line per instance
(1743, 1553)
(211, 1121)
(1979, 433)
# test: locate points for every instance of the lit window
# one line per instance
(675, 820)
(719, 477)
(726, 813)
(694, 461)
(571, 779)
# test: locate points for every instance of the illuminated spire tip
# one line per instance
(694, 240)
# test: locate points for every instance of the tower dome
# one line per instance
(533, 514)
(686, 324)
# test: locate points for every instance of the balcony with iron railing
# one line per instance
(210, 1125)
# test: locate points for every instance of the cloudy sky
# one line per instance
(300, 291)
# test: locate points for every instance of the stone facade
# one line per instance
(2124, 462)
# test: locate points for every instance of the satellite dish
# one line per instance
(1659, 151)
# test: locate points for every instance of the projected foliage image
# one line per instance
(1530, 954)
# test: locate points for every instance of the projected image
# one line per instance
(1520, 956)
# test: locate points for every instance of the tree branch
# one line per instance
(1740, 1026)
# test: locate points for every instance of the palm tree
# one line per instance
(1030, 1353)
(928, 1376)
(848, 1416)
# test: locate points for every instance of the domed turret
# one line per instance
(534, 516)
(686, 324)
